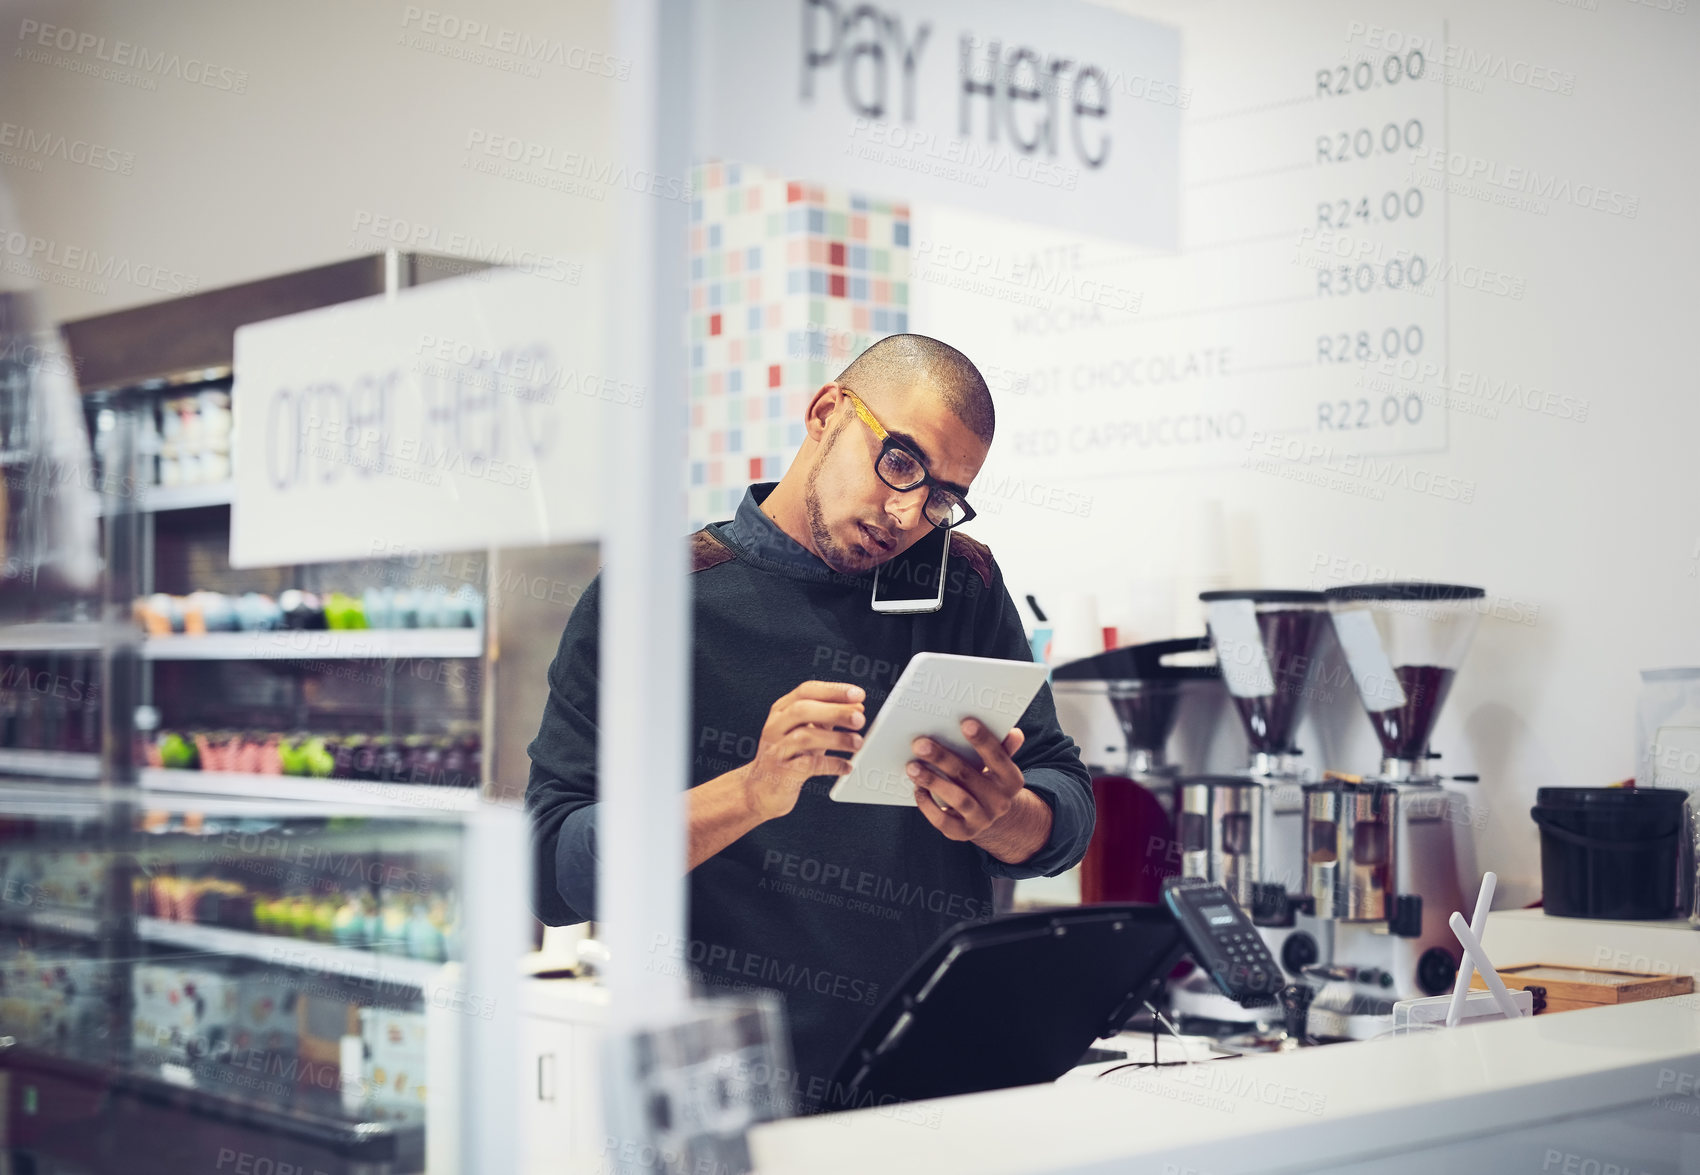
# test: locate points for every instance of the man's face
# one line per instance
(857, 521)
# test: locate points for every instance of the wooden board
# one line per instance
(1571, 988)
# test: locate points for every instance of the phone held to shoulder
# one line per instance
(914, 580)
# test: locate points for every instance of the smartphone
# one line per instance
(914, 580)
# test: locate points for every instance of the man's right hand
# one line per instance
(795, 740)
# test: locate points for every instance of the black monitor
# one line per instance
(1014, 1001)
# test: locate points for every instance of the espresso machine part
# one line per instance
(1222, 825)
(1144, 684)
(1403, 643)
(1351, 853)
(1146, 712)
(1264, 641)
(1132, 844)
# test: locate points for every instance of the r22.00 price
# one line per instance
(1362, 347)
(1339, 415)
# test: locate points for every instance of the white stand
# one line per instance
(1475, 959)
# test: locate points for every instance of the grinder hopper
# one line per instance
(1404, 643)
(1128, 856)
(1264, 641)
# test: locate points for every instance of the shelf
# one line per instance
(321, 957)
(51, 799)
(146, 1108)
(337, 794)
(370, 644)
(52, 636)
(158, 499)
(49, 764)
(57, 921)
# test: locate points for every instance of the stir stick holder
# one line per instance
(1496, 1003)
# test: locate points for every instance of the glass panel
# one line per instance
(259, 958)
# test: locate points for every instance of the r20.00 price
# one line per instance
(1364, 346)
(1345, 146)
(1363, 75)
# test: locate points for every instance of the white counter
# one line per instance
(1669, 947)
(1297, 1111)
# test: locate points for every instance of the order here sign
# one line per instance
(1060, 113)
(458, 415)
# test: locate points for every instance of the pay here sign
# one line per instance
(1061, 113)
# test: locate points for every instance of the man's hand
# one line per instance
(987, 803)
(799, 731)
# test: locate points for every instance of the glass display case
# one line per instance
(240, 809)
(262, 681)
(189, 977)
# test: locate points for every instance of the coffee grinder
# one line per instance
(1388, 856)
(1129, 854)
(1243, 831)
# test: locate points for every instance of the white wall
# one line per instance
(344, 120)
(1586, 533)
(1588, 528)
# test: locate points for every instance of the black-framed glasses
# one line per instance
(900, 469)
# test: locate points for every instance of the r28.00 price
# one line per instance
(1364, 346)
(1339, 415)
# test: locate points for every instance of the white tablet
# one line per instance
(936, 692)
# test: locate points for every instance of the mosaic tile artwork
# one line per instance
(789, 282)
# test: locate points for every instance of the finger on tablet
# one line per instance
(940, 816)
(942, 759)
(828, 691)
(989, 748)
(946, 792)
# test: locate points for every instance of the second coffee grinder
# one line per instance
(1389, 857)
(1243, 831)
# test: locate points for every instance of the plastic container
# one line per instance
(1609, 852)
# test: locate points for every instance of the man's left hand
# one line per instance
(964, 800)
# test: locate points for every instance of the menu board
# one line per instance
(1307, 305)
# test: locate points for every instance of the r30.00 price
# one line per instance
(1339, 280)
(1360, 413)
(1364, 346)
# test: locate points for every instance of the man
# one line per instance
(827, 903)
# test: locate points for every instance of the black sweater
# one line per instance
(829, 904)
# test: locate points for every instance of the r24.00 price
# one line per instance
(1406, 205)
(1364, 346)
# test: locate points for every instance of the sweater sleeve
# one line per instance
(560, 796)
(1048, 758)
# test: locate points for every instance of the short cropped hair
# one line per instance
(907, 363)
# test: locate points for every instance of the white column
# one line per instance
(645, 624)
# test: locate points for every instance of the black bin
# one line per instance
(1609, 852)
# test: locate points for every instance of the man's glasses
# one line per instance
(902, 470)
